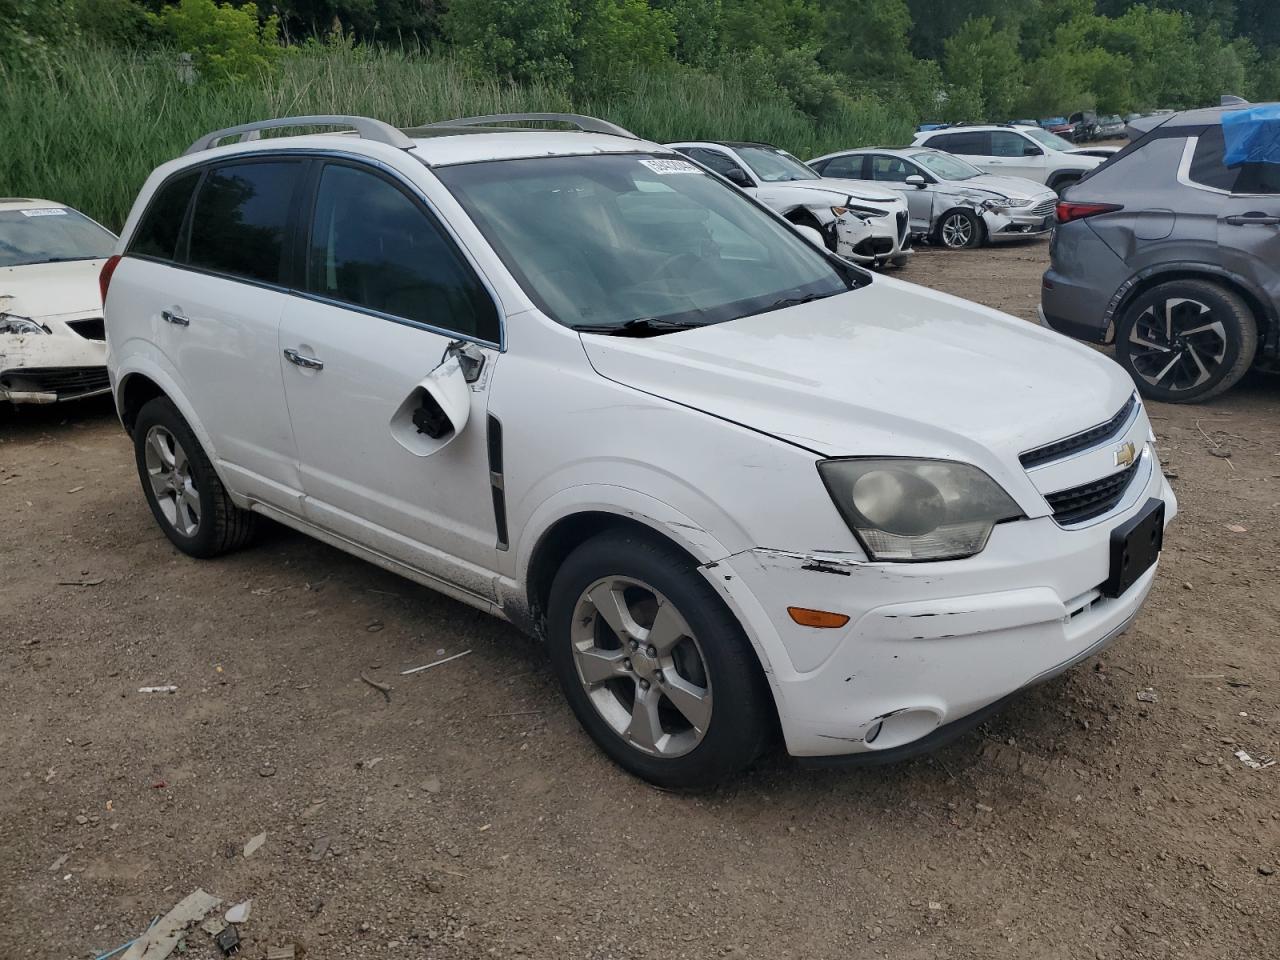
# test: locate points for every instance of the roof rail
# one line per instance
(585, 124)
(365, 127)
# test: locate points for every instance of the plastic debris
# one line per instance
(168, 688)
(1261, 763)
(252, 845)
(382, 688)
(163, 935)
(228, 941)
(434, 663)
(213, 926)
(1148, 696)
(239, 913)
(287, 952)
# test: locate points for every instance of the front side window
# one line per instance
(946, 167)
(597, 241)
(721, 163)
(891, 169)
(158, 232)
(50, 235)
(774, 166)
(373, 246)
(241, 217)
(1050, 140)
(1004, 144)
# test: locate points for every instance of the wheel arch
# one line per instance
(1263, 313)
(1059, 180)
(960, 208)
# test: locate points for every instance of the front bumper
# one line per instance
(873, 241)
(930, 644)
(48, 368)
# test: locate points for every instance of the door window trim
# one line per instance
(306, 218)
(295, 235)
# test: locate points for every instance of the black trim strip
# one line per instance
(497, 481)
(1061, 449)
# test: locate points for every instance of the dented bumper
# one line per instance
(61, 365)
(930, 644)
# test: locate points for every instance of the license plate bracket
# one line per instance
(1135, 547)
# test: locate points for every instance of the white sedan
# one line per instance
(52, 342)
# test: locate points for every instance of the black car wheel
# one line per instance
(1186, 340)
(960, 230)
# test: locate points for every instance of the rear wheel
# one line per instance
(654, 665)
(960, 230)
(184, 492)
(1186, 340)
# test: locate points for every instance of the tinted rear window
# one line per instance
(241, 215)
(1207, 167)
(974, 144)
(157, 234)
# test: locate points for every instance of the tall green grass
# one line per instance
(87, 129)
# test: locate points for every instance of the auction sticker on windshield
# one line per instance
(663, 167)
(45, 212)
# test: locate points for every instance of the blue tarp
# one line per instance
(1253, 135)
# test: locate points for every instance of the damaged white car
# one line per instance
(862, 222)
(738, 486)
(952, 202)
(52, 343)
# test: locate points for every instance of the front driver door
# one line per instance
(387, 293)
(892, 172)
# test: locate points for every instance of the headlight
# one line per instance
(913, 510)
(1015, 204)
(857, 211)
(12, 323)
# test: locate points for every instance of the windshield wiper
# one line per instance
(796, 301)
(640, 327)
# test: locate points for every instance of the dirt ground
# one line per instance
(468, 816)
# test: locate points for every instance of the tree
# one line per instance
(699, 27)
(981, 59)
(617, 37)
(28, 28)
(227, 43)
(518, 40)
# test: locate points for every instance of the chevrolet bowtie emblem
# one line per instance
(1126, 453)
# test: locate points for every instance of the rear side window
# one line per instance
(974, 144)
(372, 246)
(158, 232)
(1207, 168)
(240, 220)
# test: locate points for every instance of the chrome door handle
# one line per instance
(311, 363)
(177, 319)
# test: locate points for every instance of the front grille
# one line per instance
(1044, 209)
(903, 225)
(1065, 447)
(94, 328)
(874, 247)
(1092, 499)
(66, 382)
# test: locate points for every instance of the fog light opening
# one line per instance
(873, 732)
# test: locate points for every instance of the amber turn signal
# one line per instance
(817, 618)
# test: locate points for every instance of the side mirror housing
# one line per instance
(436, 409)
(738, 178)
(811, 234)
(917, 181)
(1031, 150)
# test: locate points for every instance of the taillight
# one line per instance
(104, 278)
(1069, 210)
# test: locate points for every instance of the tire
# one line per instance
(186, 497)
(960, 229)
(1185, 341)
(706, 663)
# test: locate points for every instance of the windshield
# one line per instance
(50, 235)
(602, 240)
(945, 166)
(1053, 122)
(775, 166)
(1050, 140)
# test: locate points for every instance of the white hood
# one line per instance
(892, 369)
(41, 290)
(1015, 188)
(826, 187)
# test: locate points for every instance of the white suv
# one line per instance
(736, 484)
(1014, 151)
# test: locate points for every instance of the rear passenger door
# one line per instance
(384, 292)
(973, 145)
(212, 292)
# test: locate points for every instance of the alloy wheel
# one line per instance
(641, 666)
(1177, 344)
(957, 231)
(169, 472)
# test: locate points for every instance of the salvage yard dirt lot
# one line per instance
(468, 816)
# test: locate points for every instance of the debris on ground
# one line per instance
(434, 663)
(368, 764)
(239, 913)
(159, 941)
(213, 926)
(59, 863)
(1222, 452)
(1261, 763)
(252, 845)
(287, 952)
(383, 688)
(82, 583)
(319, 848)
(374, 626)
(1266, 871)
(1148, 696)
(1236, 528)
(228, 941)
(167, 688)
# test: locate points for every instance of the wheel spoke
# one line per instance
(610, 603)
(645, 730)
(160, 444)
(191, 498)
(1164, 372)
(179, 458)
(160, 483)
(1204, 372)
(668, 629)
(596, 665)
(692, 701)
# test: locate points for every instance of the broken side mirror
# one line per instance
(917, 181)
(436, 409)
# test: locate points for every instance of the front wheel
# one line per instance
(960, 230)
(1186, 340)
(655, 666)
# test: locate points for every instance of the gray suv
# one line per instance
(1173, 257)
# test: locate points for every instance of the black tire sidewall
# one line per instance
(162, 412)
(1224, 306)
(974, 221)
(742, 712)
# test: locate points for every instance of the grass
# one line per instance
(88, 129)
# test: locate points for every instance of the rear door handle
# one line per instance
(175, 317)
(1254, 220)
(311, 363)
